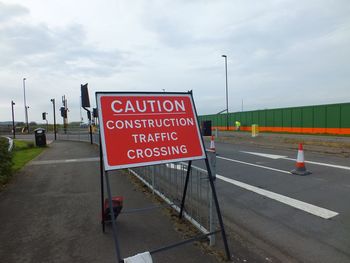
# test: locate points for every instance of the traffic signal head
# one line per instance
(95, 113)
(44, 115)
(63, 112)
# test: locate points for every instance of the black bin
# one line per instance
(206, 128)
(40, 137)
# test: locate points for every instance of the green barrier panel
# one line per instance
(307, 117)
(278, 118)
(333, 116)
(270, 118)
(320, 116)
(345, 115)
(287, 117)
(255, 117)
(296, 117)
(262, 118)
(249, 118)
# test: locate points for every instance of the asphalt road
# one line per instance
(317, 233)
(292, 218)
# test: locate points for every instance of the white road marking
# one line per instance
(275, 157)
(271, 156)
(252, 164)
(92, 159)
(306, 207)
(324, 164)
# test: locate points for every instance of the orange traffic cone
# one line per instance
(300, 165)
(212, 144)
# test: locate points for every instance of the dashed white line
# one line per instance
(252, 164)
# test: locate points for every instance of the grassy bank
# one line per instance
(23, 152)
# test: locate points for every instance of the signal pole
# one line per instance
(13, 119)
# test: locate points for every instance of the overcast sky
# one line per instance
(280, 53)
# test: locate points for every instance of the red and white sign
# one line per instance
(139, 129)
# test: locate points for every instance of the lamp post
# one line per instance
(224, 56)
(13, 119)
(54, 117)
(25, 105)
(27, 118)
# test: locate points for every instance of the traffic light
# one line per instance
(94, 113)
(63, 112)
(85, 101)
(44, 116)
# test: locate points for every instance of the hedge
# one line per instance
(5, 161)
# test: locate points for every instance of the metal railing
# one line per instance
(77, 134)
(168, 182)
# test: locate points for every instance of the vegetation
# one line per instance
(23, 152)
(5, 161)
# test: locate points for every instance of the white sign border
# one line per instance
(108, 167)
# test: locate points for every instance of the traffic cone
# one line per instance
(212, 144)
(300, 164)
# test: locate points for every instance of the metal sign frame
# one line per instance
(104, 180)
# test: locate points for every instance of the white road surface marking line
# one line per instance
(271, 156)
(324, 164)
(306, 207)
(252, 164)
(92, 159)
(275, 157)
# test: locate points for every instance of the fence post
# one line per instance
(153, 168)
(212, 163)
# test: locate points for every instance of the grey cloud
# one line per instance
(58, 50)
(8, 12)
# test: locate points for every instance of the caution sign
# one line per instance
(139, 129)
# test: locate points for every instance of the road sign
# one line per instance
(139, 129)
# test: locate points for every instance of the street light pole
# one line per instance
(54, 117)
(224, 56)
(13, 120)
(25, 105)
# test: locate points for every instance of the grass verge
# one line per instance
(23, 152)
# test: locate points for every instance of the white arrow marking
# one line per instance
(275, 157)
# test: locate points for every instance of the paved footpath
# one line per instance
(50, 212)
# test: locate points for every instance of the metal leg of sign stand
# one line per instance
(102, 190)
(211, 181)
(185, 189)
(114, 225)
